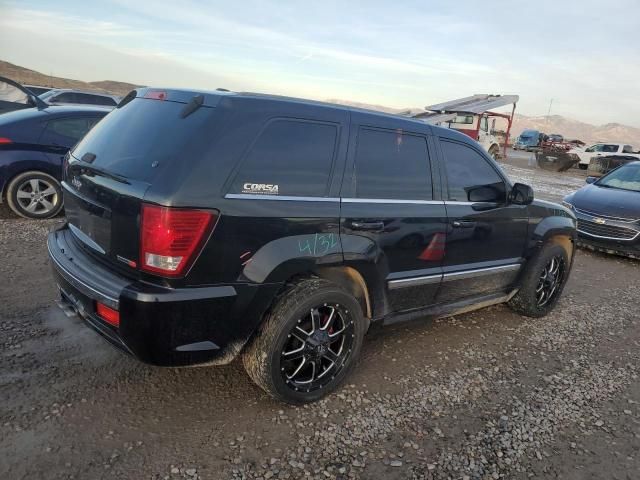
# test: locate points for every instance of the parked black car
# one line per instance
(608, 211)
(204, 225)
(33, 143)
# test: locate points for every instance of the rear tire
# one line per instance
(296, 345)
(34, 195)
(543, 282)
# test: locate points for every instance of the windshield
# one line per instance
(624, 178)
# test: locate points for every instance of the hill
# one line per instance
(610, 132)
(31, 77)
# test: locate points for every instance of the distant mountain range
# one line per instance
(610, 132)
(31, 77)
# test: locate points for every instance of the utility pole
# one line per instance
(549, 112)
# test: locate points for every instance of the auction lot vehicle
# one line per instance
(528, 140)
(603, 150)
(204, 225)
(608, 211)
(66, 96)
(33, 143)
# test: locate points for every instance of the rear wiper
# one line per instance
(195, 103)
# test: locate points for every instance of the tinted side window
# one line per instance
(101, 100)
(469, 175)
(65, 97)
(393, 165)
(84, 99)
(66, 131)
(290, 157)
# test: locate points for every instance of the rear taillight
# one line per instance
(5, 141)
(171, 238)
(109, 315)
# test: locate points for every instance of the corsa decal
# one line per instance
(263, 188)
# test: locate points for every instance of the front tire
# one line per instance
(308, 343)
(34, 195)
(582, 166)
(543, 282)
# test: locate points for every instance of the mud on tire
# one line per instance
(315, 330)
(542, 274)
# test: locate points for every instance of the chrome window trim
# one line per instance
(455, 202)
(392, 201)
(412, 282)
(287, 198)
(479, 272)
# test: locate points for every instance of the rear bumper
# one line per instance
(160, 326)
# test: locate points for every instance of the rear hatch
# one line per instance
(108, 174)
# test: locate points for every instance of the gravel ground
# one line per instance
(484, 395)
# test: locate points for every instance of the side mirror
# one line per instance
(484, 194)
(521, 194)
(591, 179)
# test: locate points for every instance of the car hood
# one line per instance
(607, 201)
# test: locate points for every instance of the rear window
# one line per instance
(135, 140)
(290, 157)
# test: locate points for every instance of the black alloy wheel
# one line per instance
(317, 347)
(308, 343)
(550, 279)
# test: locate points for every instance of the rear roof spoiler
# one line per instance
(204, 98)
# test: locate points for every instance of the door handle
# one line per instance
(464, 224)
(371, 226)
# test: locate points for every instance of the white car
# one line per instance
(602, 150)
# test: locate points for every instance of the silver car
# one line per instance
(66, 96)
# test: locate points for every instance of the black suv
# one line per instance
(206, 225)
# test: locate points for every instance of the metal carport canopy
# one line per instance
(474, 104)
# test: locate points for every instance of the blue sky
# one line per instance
(583, 54)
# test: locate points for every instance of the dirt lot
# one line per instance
(483, 395)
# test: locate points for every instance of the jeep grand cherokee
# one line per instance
(206, 225)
